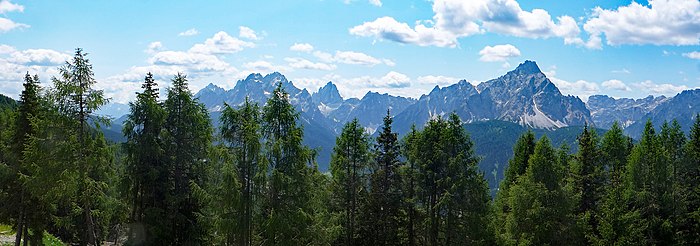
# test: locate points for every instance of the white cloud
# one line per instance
(247, 33)
(154, 47)
(498, 53)
(389, 62)
(323, 56)
(580, 88)
(14, 64)
(377, 3)
(615, 84)
(259, 65)
(394, 80)
(692, 55)
(664, 89)
(193, 61)
(301, 63)
(7, 25)
(356, 58)
(38, 57)
(301, 47)
(6, 6)
(387, 28)
(221, 43)
(6, 49)
(457, 18)
(189, 32)
(623, 70)
(437, 80)
(662, 22)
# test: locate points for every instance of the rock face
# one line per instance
(524, 96)
(683, 107)
(605, 110)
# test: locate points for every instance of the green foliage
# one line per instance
(350, 170)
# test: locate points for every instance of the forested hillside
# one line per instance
(251, 180)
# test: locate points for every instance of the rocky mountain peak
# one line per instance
(328, 94)
(527, 67)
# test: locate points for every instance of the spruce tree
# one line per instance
(287, 212)
(349, 167)
(240, 129)
(146, 174)
(522, 151)
(410, 186)
(540, 207)
(587, 180)
(187, 137)
(615, 148)
(648, 192)
(687, 188)
(384, 204)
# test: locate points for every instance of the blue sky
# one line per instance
(619, 48)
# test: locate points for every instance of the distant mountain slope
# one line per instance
(683, 107)
(524, 96)
(7, 102)
(605, 110)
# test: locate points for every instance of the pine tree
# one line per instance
(384, 204)
(241, 132)
(188, 136)
(287, 212)
(648, 192)
(349, 167)
(146, 173)
(540, 208)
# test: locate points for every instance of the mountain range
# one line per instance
(522, 99)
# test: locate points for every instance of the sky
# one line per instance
(401, 47)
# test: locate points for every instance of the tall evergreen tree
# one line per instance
(349, 167)
(187, 137)
(648, 192)
(540, 208)
(240, 129)
(385, 201)
(76, 101)
(615, 148)
(288, 215)
(146, 173)
(587, 180)
(522, 151)
(409, 175)
(20, 207)
(687, 188)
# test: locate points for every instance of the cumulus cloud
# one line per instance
(301, 63)
(193, 61)
(663, 89)
(6, 24)
(221, 43)
(498, 53)
(377, 3)
(580, 88)
(662, 22)
(437, 80)
(387, 28)
(247, 33)
(6, 6)
(692, 55)
(301, 47)
(189, 32)
(456, 18)
(615, 84)
(14, 64)
(356, 58)
(154, 47)
(394, 80)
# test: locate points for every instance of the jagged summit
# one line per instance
(527, 67)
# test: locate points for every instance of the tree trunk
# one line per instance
(20, 227)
